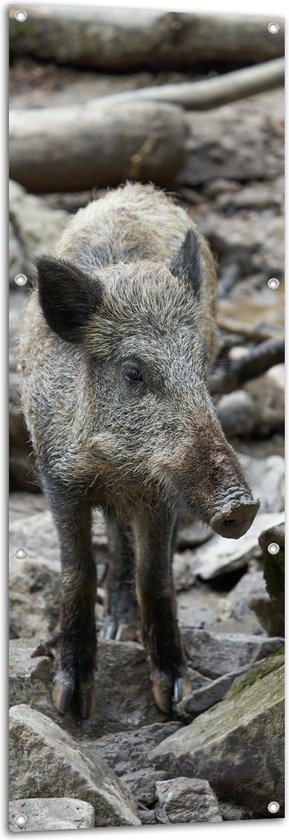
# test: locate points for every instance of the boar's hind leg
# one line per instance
(122, 617)
(155, 592)
(78, 632)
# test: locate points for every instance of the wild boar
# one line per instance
(117, 342)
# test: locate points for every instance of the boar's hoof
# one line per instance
(121, 631)
(235, 520)
(168, 692)
(65, 690)
(86, 700)
(62, 696)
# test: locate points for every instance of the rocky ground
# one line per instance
(220, 757)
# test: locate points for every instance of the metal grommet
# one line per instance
(20, 279)
(20, 553)
(21, 820)
(273, 28)
(273, 807)
(273, 283)
(21, 15)
(273, 548)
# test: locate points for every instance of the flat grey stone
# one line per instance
(219, 556)
(217, 654)
(50, 814)
(205, 697)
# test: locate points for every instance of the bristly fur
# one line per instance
(131, 279)
(116, 344)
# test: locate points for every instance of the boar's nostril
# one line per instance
(235, 523)
(230, 523)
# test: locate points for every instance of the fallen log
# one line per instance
(239, 371)
(78, 148)
(123, 136)
(209, 93)
(119, 40)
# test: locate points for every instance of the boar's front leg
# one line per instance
(121, 621)
(78, 632)
(155, 592)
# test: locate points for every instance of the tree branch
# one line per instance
(239, 371)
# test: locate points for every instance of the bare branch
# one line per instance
(239, 371)
(210, 93)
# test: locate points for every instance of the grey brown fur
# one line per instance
(117, 341)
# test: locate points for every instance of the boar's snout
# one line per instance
(235, 519)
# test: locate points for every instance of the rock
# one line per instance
(50, 814)
(240, 142)
(17, 263)
(191, 534)
(46, 762)
(183, 573)
(198, 606)
(22, 473)
(220, 556)
(215, 655)
(124, 698)
(34, 225)
(142, 785)
(268, 398)
(257, 195)
(231, 812)
(266, 478)
(34, 588)
(238, 745)
(21, 459)
(34, 229)
(22, 505)
(35, 583)
(205, 697)
(127, 751)
(236, 414)
(30, 679)
(273, 563)
(147, 816)
(269, 605)
(188, 800)
(245, 244)
(250, 585)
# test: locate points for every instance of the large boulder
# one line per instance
(46, 762)
(238, 745)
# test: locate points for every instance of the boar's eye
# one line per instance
(132, 374)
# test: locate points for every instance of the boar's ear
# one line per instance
(187, 261)
(68, 297)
